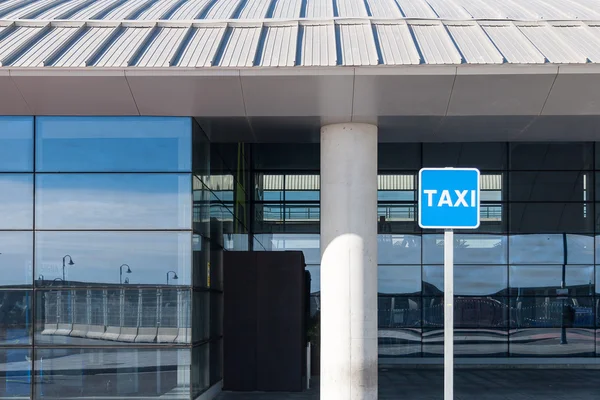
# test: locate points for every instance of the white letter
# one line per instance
(445, 199)
(461, 198)
(473, 196)
(429, 194)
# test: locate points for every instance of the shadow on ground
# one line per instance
(470, 384)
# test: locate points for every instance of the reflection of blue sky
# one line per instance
(120, 201)
(16, 267)
(469, 280)
(98, 256)
(122, 144)
(542, 276)
(16, 201)
(549, 248)
(399, 279)
(468, 249)
(16, 144)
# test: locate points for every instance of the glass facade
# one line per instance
(111, 242)
(112, 233)
(538, 224)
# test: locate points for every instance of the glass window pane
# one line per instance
(16, 259)
(399, 279)
(16, 144)
(550, 312)
(397, 218)
(398, 342)
(15, 317)
(470, 312)
(200, 369)
(545, 342)
(551, 156)
(292, 156)
(15, 373)
(117, 373)
(121, 144)
(113, 201)
(396, 187)
(399, 312)
(469, 280)
(16, 201)
(545, 280)
(112, 258)
(551, 217)
(468, 343)
(112, 316)
(301, 187)
(398, 249)
(397, 156)
(491, 156)
(551, 186)
(551, 249)
(468, 249)
(309, 244)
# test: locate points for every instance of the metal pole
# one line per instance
(448, 314)
(563, 328)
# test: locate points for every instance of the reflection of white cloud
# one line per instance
(98, 256)
(74, 207)
(550, 249)
(469, 280)
(16, 201)
(16, 266)
(399, 279)
(540, 276)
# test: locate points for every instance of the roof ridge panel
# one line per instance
(34, 13)
(20, 47)
(35, 54)
(76, 53)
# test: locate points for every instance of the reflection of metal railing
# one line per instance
(132, 315)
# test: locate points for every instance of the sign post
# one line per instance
(449, 199)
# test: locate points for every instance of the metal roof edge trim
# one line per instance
(65, 72)
(506, 69)
(416, 69)
(576, 69)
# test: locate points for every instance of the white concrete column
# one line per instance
(349, 262)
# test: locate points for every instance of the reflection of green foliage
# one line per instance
(460, 243)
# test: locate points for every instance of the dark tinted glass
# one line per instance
(15, 317)
(315, 278)
(468, 249)
(281, 156)
(111, 258)
(16, 259)
(491, 156)
(399, 279)
(551, 156)
(551, 186)
(309, 244)
(16, 201)
(398, 156)
(118, 201)
(201, 150)
(469, 280)
(200, 369)
(16, 144)
(398, 249)
(109, 317)
(122, 144)
(551, 249)
(397, 218)
(15, 373)
(473, 312)
(549, 312)
(545, 342)
(551, 217)
(467, 343)
(201, 317)
(544, 280)
(112, 373)
(399, 312)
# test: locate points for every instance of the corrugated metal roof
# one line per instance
(416, 9)
(118, 52)
(351, 8)
(161, 50)
(36, 54)
(240, 49)
(318, 46)
(368, 32)
(319, 8)
(581, 39)
(357, 44)
(287, 9)
(550, 45)
(279, 49)
(81, 49)
(474, 45)
(435, 44)
(201, 50)
(397, 45)
(384, 9)
(513, 45)
(190, 9)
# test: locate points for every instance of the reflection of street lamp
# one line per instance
(174, 276)
(121, 273)
(55, 280)
(126, 280)
(41, 277)
(563, 328)
(70, 263)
